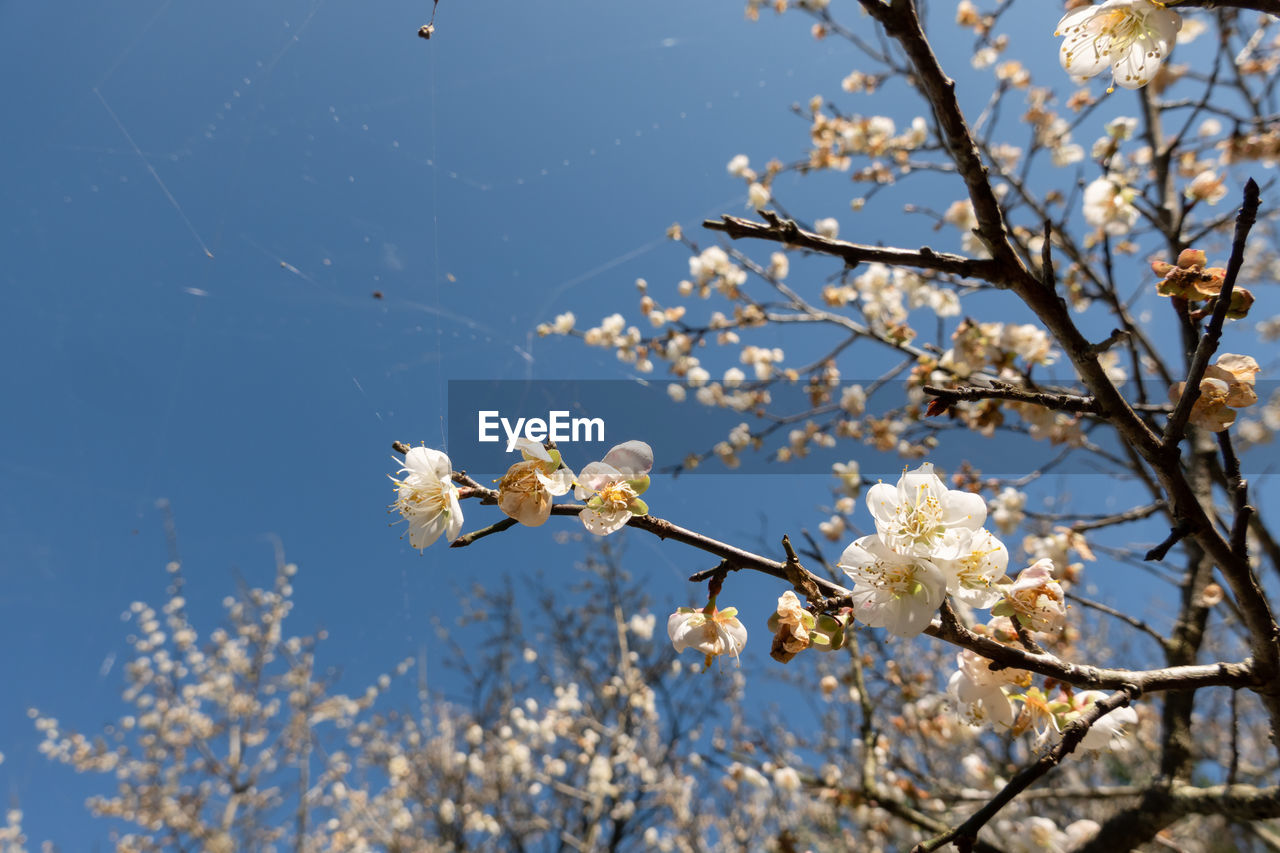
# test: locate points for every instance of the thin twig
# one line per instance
(786, 231)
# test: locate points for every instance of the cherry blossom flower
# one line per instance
(1131, 36)
(921, 517)
(1035, 599)
(527, 488)
(710, 631)
(891, 590)
(1226, 386)
(1188, 278)
(612, 487)
(972, 577)
(1108, 204)
(1207, 186)
(791, 625)
(1041, 835)
(427, 497)
(1109, 732)
(980, 703)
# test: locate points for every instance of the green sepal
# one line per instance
(638, 507)
(829, 624)
(639, 486)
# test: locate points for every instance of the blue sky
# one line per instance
(524, 161)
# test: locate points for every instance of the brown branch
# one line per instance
(950, 630)
(1270, 7)
(966, 833)
(1001, 391)
(901, 21)
(786, 231)
(1187, 677)
(1177, 534)
(1208, 344)
(497, 527)
(1162, 805)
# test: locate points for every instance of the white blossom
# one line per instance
(1132, 37)
(612, 487)
(921, 517)
(1108, 204)
(427, 497)
(713, 633)
(891, 590)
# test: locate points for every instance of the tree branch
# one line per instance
(1001, 391)
(966, 833)
(786, 231)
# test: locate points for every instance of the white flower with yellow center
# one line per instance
(972, 577)
(710, 631)
(1131, 36)
(892, 590)
(612, 487)
(427, 497)
(921, 517)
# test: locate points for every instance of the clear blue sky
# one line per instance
(523, 162)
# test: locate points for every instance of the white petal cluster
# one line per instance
(1108, 204)
(929, 541)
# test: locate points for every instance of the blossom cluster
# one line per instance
(929, 542)
(428, 499)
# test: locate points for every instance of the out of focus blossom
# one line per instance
(1108, 733)
(1108, 204)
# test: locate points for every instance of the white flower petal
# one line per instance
(633, 458)
(604, 523)
(595, 476)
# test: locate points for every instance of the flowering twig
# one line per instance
(1090, 677)
(1213, 332)
(966, 833)
(786, 231)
